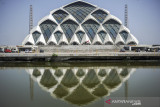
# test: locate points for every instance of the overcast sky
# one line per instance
(144, 17)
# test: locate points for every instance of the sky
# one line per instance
(144, 17)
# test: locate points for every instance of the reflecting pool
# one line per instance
(75, 84)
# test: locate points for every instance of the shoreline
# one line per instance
(74, 56)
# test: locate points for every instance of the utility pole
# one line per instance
(126, 16)
(30, 19)
(30, 28)
(126, 25)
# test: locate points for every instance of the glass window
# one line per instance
(102, 35)
(60, 15)
(100, 15)
(90, 28)
(112, 27)
(36, 35)
(124, 35)
(80, 35)
(69, 27)
(79, 10)
(58, 35)
(47, 28)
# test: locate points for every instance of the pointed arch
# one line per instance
(100, 15)
(79, 10)
(80, 35)
(120, 43)
(132, 43)
(28, 43)
(36, 35)
(74, 43)
(90, 26)
(58, 35)
(102, 34)
(63, 43)
(60, 15)
(124, 35)
(47, 28)
(40, 43)
(112, 27)
(97, 43)
(86, 43)
(51, 43)
(69, 27)
(108, 43)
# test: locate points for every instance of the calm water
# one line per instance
(72, 85)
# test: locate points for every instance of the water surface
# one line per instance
(75, 84)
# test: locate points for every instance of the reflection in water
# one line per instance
(31, 87)
(79, 85)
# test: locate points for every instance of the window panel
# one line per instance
(60, 15)
(124, 35)
(112, 27)
(36, 35)
(100, 15)
(79, 10)
(58, 35)
(90, 28)
(80, 35)
(102, 35)
(69, 27)
(47, 28)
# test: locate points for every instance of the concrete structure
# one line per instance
(84, 56)
(80, 23)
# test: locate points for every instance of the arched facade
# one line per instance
(80, 23)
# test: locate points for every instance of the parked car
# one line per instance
(14, 51)
(122, 50)
(7, 51)
(1, 50)
(30, 51)
(26, 51)
(138, 50)
(41, 51)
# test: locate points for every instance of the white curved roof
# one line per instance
(70, 17)
(97, 39)
(49, 17)
(41, 40)
(74, 39)
(112, 17)
(119, 39)
(80, 29)
(36, 28)
(29, 39)
(123, 28)
(85, 39)
(131, 38)
(88, 18)
(79, 1)
(101, 28)
(63, 39)
(52, 39)
(58, 28)
(69, 31)
(108, 39)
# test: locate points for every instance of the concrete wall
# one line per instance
(80, 48)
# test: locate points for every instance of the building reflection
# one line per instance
(80, 85)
